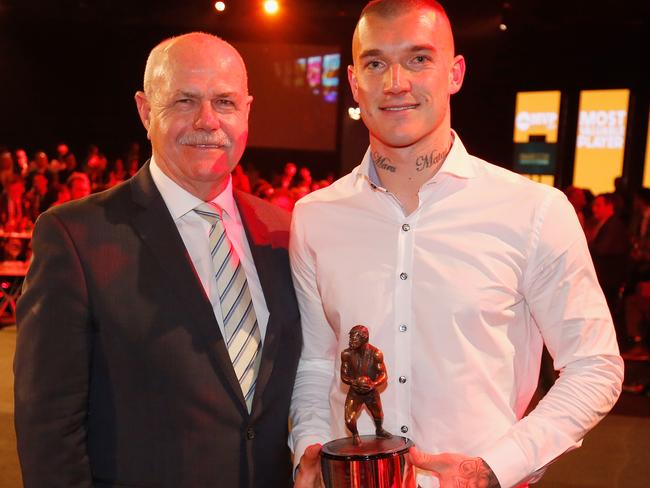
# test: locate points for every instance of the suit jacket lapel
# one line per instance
(156, 228)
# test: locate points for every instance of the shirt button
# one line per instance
(403, 276)
(404, 429)
(406, 227)
(403, 328)
(402, 379)
(250, 433)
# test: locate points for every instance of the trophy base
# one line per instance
(376, 463)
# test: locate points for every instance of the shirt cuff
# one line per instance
(300, 446)
(506, 460)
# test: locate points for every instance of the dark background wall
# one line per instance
(69, 68)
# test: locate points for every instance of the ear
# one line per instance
(354, 85)
(456, 74)
(247, 108)
(144, 109)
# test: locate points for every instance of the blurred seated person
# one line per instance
(79, 185)
(14, 249)
(609, 247)
(35, 198)
(282, 198)
(303, 185)
(96, 168)
(56, 195)
(22, 162)
(637, 303)
(240, 179)
(40, 165)
(6, 167)
(14, 216)
(117, 174)
(133, 167)
(263, 189)
(578, 200)
(318, 184)
(285, 180)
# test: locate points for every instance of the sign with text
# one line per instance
(600, 141)
(537, 114)
(536, 128)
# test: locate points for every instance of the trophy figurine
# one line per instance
(368, 461)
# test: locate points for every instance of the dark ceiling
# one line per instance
(68, 68)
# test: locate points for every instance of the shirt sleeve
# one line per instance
(568, 306)
(310, 415)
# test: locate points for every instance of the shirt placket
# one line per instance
(405, 227)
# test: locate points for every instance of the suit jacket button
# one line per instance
(250, 433)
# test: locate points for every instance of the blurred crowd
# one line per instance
(616, 225)
(31, 186)
(617, 228)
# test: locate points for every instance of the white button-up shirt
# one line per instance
(195, 230)
(460, 296)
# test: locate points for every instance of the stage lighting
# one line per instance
(220, 6)
(271, 7)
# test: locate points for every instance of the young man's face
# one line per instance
(404, 74)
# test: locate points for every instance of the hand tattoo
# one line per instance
(475, 473)
(382, 162)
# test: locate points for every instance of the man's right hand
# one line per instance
(309, 474)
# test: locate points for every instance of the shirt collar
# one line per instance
(179, 201)
(457, 163)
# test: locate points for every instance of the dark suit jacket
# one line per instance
(122, 375)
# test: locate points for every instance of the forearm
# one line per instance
(310, 415)
(580, 398)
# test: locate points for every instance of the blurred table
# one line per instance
(12, 274)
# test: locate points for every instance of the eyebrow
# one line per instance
(415, 48)
(190, 94)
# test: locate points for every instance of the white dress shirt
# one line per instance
(194, 231)
(460, 296)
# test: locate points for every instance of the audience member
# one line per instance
(13, 214)
(36, 196)
(637, 301)
(609, 249)
(79, 185)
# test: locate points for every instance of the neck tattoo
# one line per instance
(425, 161)
(382, 162)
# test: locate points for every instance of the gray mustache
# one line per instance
(198, 138)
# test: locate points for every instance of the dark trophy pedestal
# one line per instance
(376, 463)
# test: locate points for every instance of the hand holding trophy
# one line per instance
(369, 461)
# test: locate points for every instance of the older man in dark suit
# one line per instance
(158, 332)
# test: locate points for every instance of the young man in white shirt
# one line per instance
(460, 270)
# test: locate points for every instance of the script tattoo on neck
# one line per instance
(382, 162)
(476, 472)
(428, 160)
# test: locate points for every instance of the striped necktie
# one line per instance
(242, 334)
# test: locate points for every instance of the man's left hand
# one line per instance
(455, 470)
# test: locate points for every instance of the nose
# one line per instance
(206, 118)
(396, 80)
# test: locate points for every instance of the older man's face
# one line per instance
(197, 115)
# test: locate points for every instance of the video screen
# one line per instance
(295, 88)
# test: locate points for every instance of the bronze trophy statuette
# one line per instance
(365, 461)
